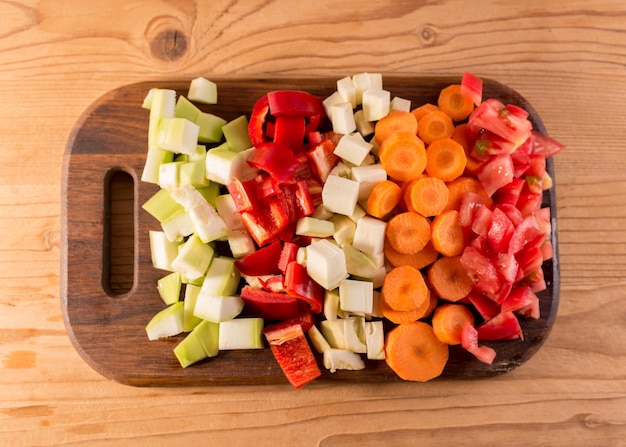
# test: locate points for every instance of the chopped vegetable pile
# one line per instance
(357, 225)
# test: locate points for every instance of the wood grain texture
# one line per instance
(108, 329)
(566, 57)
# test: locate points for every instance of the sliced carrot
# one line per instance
(419, 260)
(384, 197)
(394, 121)
(445, 159)
(422, 110)
(448, 321)
(457, 105)
(434, 126)
(449, 279)
(405, 289)
(448, 237)
(403, 155)
(403, 316)
(434, 302)
(457, 189)
(414, 352)
(427, 196)
(408, 232)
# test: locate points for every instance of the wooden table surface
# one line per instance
(566, 57)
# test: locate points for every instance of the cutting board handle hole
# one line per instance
(118, 273)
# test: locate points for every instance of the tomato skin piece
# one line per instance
(472, 87)
(521, 297)
(545, 145)
(504, 326)
(485, 306)
(507, 122)
(292, 352)
(482, 271)
(496, 172)
(469, 342)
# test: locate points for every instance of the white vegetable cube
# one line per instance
(310, 226)
(211, 127)
(374, 340)
(347, 91)
(358, 213)
(368, 176)
(361, 82)
(401, 104)
(344, 229)
(222, 277)
(236, 134)
(369, 236)
(208, 225)
(353, 148)
(376, 80)
(330, 101)
(223, 164)
(169, 175)
(376, 104)
(359, 264)
(326, 263)
(194, 258)
(217, 308)
(203, 91)
(354, 334)
(169, 288)
(240, 242)
(162, 250)
(177, 226)
(193, 173)
(342, 359)
(342, 118)
(317, 340)
(225, 207)
(363, 126)
(154, 159)
(331, 305)
(333, 331)
(340, 195)
(178, 135)
(356, 296)
(241, 333)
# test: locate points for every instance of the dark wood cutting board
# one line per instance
(108, 284)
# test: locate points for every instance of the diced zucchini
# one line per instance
(225, 206)
(166, 323)
(222, 277)
(178, 135)
(241, 333)
(190, 321)
(177, 226)
(210, 127)
(203, 91)
(162, 105)
(336, 359)
(162, 251)
(161, 205)
(236, 134)
(194, 258)
(155, 158)
(185, 109)
(199, 344)
(208, 225)
(169, 288)
(223, 164)
(218, 308)
(240, 242)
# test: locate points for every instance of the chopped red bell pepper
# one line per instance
(272, 306)
(288, 254)
(290, 131)
(256, 124)
(299, 284)
(322, 159)
(266, 223)
(266, 186)
(305, 318)
(243, 194)
(294, 103)
(263, 261)
(276, 159)
(292, 352)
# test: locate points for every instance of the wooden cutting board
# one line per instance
(108, 284)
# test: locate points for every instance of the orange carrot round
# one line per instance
(404, 316)
(394, 121)
(448, 237)
(462, 185)
(449, 279)
(408, 232)
(403, 155)
(445, 159)
(454, 103)
(419, 260)
(422, 110)
(404, 289)
(427, 196)
(384, 197)
(414, 352)
(448, 321)
(435, 126)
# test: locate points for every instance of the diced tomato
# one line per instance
(263, 261)
(489, 143)
(547, 250)
(507, 266)
(322, 159)
(517, 111)
(525, 232)
(536, 281)
(528, 201)
(500, 231)
(272, 306)
(472, 87)
(495, 173)
(507, 123)
(482, 221)
(504, 326)
(482, 271)
(530, 260)
(509, 194)
(545, 145)
(514, 215)
(521, 157)
(520, 297)
(485, 306)
(532, 310)
(292, 352)
(469, 205)
(469, 342)
(298, 283)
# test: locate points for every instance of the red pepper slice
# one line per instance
(273, 306)
(290, 130)
(294, 103)
(322, 159)
(256, 124)
(264, 261)
(306, 319)
(288, 254)
(276, 159)
(243, 194)
(292, 352)
(266, 224)
(299, 284)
